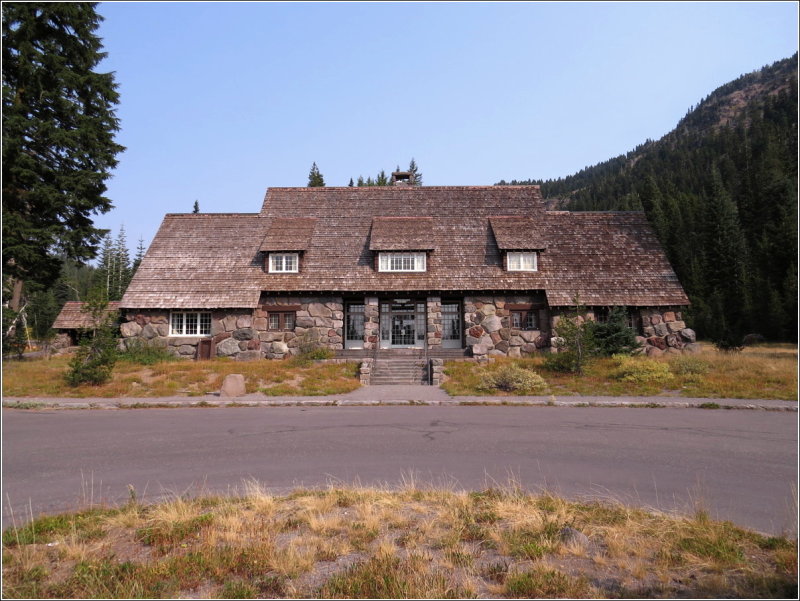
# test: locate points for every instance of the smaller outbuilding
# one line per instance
(72, 320)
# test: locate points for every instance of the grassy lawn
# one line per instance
(762, 372)
(45, 378)
(408, 543)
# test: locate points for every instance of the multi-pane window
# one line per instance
(524, 320)
(190, 323)
(283, 262)
(281, 321)
(522, 261)
(401, 262)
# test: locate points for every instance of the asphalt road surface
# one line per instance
(739, 465)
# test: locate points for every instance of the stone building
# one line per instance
(73, 320)
(456, 270)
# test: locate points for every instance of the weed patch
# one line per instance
(407, 543)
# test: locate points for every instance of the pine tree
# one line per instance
(416, 176)
(59, 124)
(360, 182)
(139, 256)
(105, 266)
(350, 185)
(196, 208)
(726, 257)
(315, 179)
(382, 179)
(123, 264)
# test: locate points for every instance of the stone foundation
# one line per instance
(488, 326)
(660, 329)
(319, 323)
(664, 331)
(243, 334)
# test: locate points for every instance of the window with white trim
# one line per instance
(189, 323)
(525, 320)
(401, 261)
(280, 321)
(284, 262)
(522, 261)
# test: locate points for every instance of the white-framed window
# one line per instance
(519, 261)
(281, 321)
(401, 261)
(284, 262)
(189, 323)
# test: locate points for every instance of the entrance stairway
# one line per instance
(399, 370)
(401, 366)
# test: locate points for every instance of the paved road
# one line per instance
(741, 465)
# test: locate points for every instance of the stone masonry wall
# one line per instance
(664, 331)
(660, 330)
(488, 327)
(434, 321)
(244, 334)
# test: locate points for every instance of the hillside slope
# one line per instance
(721, 192)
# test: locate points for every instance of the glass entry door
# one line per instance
(402, 324)
(451, 325)
(354, 326)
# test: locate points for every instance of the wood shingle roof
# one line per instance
(72, 316)
(216, 261)
(401, 233)
(288, 233)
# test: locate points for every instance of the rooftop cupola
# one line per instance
(402, 178)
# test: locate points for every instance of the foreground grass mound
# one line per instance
(410, 543)
(132, 378)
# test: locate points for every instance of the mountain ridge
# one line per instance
(720, 190)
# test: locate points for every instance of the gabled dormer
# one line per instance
(285, 243)
(401, 244)
(520, 241)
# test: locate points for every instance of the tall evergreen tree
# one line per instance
(196, 208)
(315, 179)
(59, 124)
(360, 183)
(140, 250)
(350, 185)
(416, 175)
(123, 275)
(382, 179)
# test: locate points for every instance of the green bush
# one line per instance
(641, 371)
(686, 365)
(563, 362)
(92, 363)
(614, 337)
(143, 353)
(97, 354)
(513, 378)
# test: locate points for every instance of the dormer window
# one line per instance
(522, 261)
(401, 261)
(284, 262)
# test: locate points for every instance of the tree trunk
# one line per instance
(16, 297)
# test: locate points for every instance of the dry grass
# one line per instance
(45, 378)
(761, 372)
(408, 543)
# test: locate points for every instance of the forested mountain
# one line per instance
(721, 193)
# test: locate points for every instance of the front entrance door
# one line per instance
(403, 329)
(403, 323)
(451, 325)
(354, 326)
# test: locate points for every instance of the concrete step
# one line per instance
(391, 382)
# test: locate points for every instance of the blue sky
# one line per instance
(220, 101)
